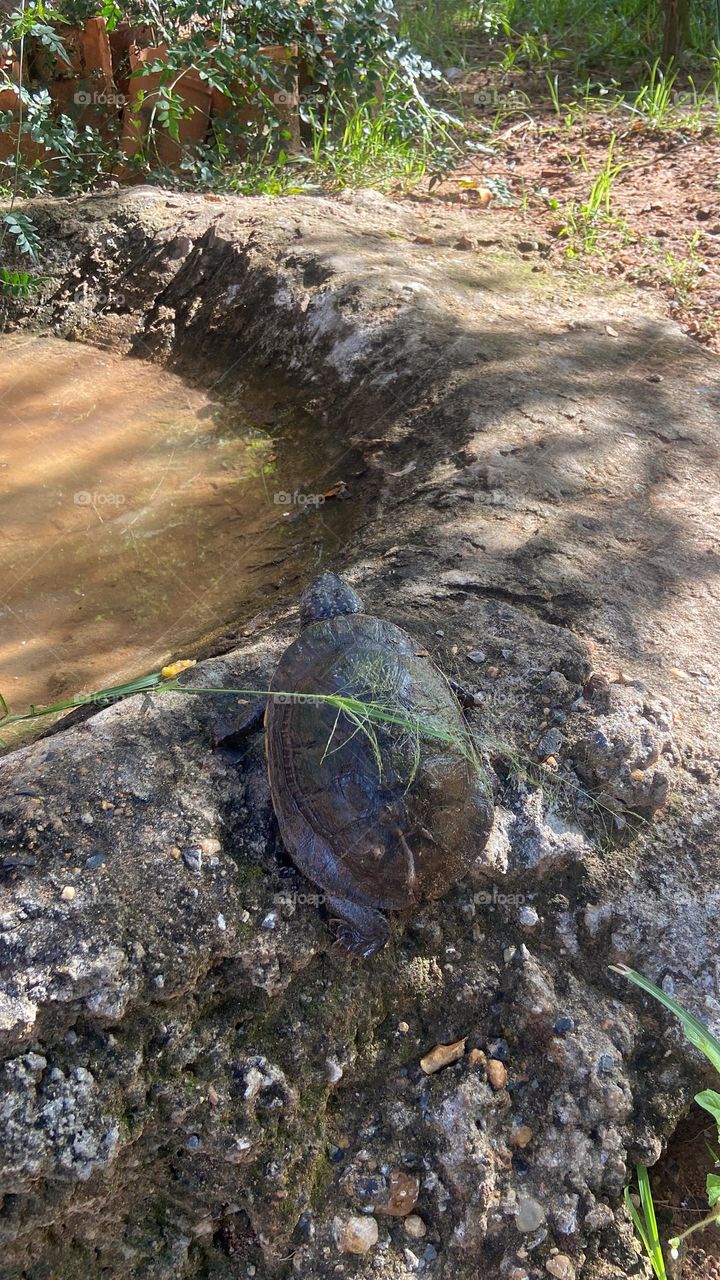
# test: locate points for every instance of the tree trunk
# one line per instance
(677, 29)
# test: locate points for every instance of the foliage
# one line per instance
(703, 1039)
(645, 1222)
(364, 112)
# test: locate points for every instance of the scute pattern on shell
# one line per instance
(384, 819)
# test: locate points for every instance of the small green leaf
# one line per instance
(20, 226)
(710, 1100)
(712, 1186)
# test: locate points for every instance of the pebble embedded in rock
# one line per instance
(355, 1235)
(475, 655)
(333, 1070)
(404, 1191)
(210, 846)
(477, 1058)
(497, 1073)
(94, 861)
(521, 1135)
(442, 1055)
(193, 859)
(415, 1227)
(549, 744)
(561, 1267)
(530, 1215)
(68, 893)
(528, 917)
(562, 1025)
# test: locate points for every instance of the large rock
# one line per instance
(192, 1084)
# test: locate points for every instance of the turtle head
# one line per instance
(326, 597)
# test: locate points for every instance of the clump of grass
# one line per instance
(586, 221)
(709, 1099)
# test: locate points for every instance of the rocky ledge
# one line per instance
(193, 1085)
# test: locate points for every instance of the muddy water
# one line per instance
(139, 516)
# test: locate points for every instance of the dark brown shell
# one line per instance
(384, 822)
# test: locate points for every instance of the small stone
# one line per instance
(270, 921)
(210, 846)
(355, 1235)
(477, 1058)
(333, 1070)
(521, 1135)
(193, 1142)
(404, 1190)
(475, 655)
(415, 1227)
(528, 917)
(530, 1215)
(193, 859)
(637, 775)
(213, 1096)
(549, 744)
(403, 1028)
(68, 893)
(442, 1056)
(175, 852)
(464, 243)
(411, 1259)
(562, 1025)
(497, 1073)
(561, 1267)
(221, 922)
(106, 804)
(493, 672)
(430, 1253)
(94, 861)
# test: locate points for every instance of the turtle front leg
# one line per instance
(359, 931)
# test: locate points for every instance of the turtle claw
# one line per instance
(357, 931)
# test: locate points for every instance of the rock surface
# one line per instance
(166, 1105)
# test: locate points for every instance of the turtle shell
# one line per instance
(386, 811)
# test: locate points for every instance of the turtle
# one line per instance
(380, 809)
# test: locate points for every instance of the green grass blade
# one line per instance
(645, 1222)
(695, 1030)
(655, 1252)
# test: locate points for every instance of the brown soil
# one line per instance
(664, 227)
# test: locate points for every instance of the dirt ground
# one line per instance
(663, 231)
